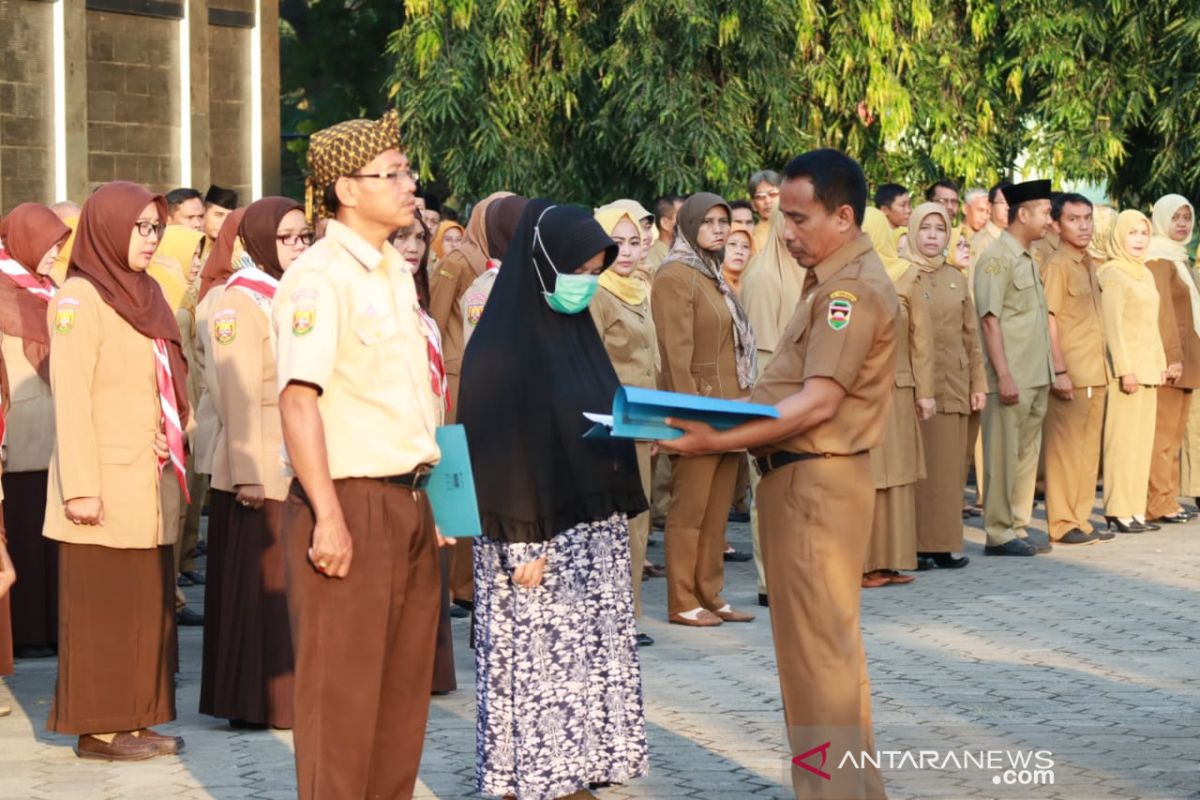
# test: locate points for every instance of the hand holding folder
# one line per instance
(642, 414)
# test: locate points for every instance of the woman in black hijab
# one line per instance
(558, 685)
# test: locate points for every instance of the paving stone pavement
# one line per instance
(1091, 653)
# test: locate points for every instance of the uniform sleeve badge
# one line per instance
(303, 320)
(839, 314)
(474, 304)
(225, 328)
(64, 317)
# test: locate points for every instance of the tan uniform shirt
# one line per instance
(1180, 342)
(448, 282)
(208, 423)
(629, 337)
(1073, 297)
(346, 321)
(29, 423)
(1130, 302)
(251, 439)
(1008, 286)
(695, 333)
(473, 302)
(844, 329)
(914, 336)
(107, 412)
(655, 257)
(958, 359)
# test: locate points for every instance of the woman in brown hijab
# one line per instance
(247, 674)
(120, 406)
(29, 240)
(707, 348)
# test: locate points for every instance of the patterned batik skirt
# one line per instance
(558, 682)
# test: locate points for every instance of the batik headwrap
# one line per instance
(343, 150)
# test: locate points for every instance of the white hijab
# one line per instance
(1162, 246)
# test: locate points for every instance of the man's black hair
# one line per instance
(837, 179)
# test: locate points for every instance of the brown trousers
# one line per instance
(639, 530)
(894, 529)
(1071, 442)
(364, 643)
(816, 525)
(1170, 429)
(701, 492)
(34, 597)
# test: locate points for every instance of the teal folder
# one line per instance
(451, 487)
(641, 414)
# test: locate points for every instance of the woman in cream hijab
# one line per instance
(899, 463)
(1167, 259)
(1135, 352)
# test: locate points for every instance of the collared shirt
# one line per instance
(1008, 286)
(1073, 297)
(844, 329)
(1130, 301)
(345, 316)
(981, 240)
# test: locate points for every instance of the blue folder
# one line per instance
(451, 487)
(641, 414)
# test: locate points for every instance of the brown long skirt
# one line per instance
(116, 639)
(34, 598)
(940, 492)
(893, 532)
(252, 673)
(6, 647)
(220, 509)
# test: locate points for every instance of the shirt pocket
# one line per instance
(374, 327)
(1023, 278)
(1079, 289)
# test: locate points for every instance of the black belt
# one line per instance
(417, 479)
(776, 460)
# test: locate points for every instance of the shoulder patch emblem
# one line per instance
(446, 274)
(225, 327)
(839, 313)
(303, 320)
(64, 318)
(842, 294)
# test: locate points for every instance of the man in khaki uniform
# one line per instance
(1013, 319)
(831, 379)
(359, 409)
(1075, 414)
(997, 222)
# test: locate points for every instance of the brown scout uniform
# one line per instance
(117, 631)
(1182, 346)
(695, 340)
(1072, 429)
(899, 462)
(816, 512)
(628, 335)
(345, 315)
(958, 373)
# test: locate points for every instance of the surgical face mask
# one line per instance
(572, 292)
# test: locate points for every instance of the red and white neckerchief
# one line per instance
(37, 285)
(493, 263)
(437, 364)
(170, 417)
(259, 285)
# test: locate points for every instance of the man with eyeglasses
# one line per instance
(362, 390)
(764, 196)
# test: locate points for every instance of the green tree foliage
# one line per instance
(590, 99)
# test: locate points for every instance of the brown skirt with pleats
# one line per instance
(34, 598)
(116, 639)
(443, 658)
(220, 508)
(250, 677)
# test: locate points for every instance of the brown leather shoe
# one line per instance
(167, 745)
(705, 619)
(898, 578)
(123, 747)
(734, 616)
(873, 580)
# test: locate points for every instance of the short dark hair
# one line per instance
(664, 206)
(763, 176)
(944, 183)
(177, 197)
(997, 189)
(431, 202)
(1061, 199)
(837, 179)
(449, 214)
(888, 193)
(330, 199)
(740, 204)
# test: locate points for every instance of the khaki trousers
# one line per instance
(364, 643)
(1012, 439)
(816, 524)
(755, 539)
(1072, 445)
(701, 492)
(974, 453)
(1128, 446)
(639, 529)
(1190, 460)
(1170, 429)
(660, 490)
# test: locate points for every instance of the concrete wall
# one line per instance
(26, 101)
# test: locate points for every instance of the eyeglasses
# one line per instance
(764, 195)
(145, 228)
(395, 175)
(293, 239)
